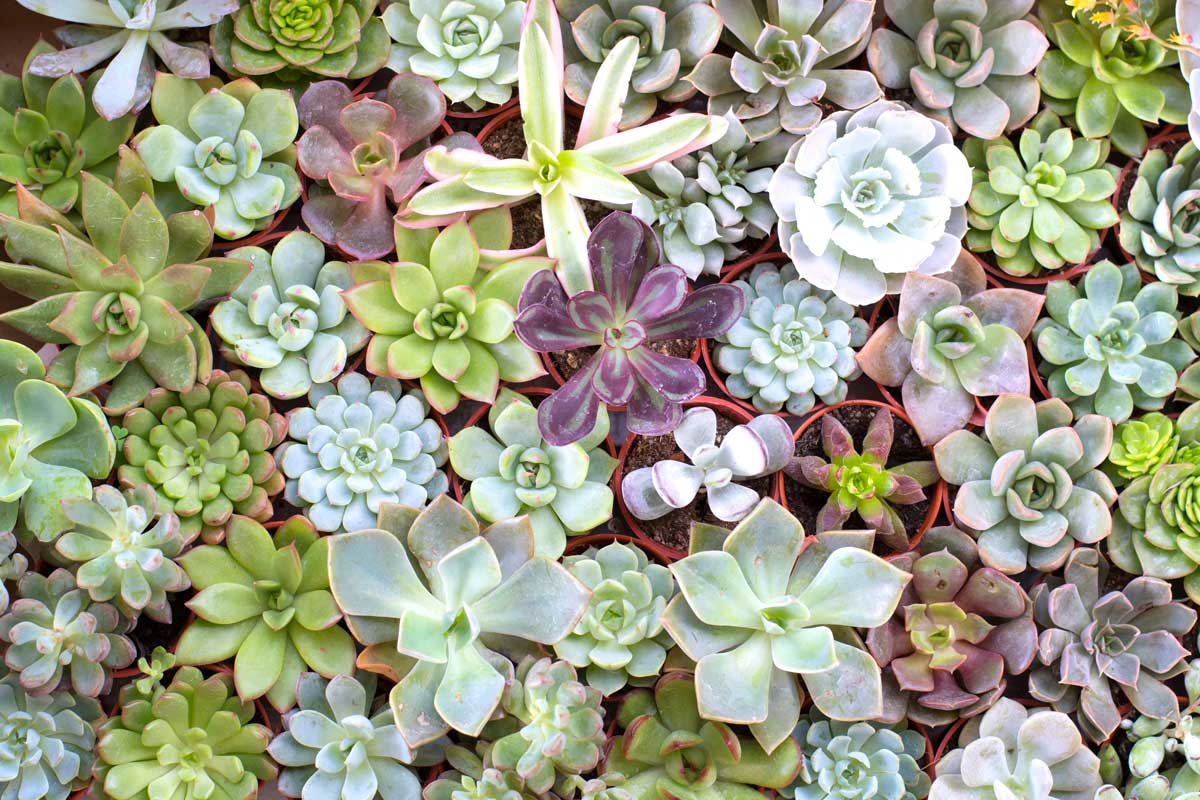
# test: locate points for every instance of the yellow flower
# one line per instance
(1081, 5)
(1104, 18)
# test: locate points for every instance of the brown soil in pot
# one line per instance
(568, 362)
(674, 530)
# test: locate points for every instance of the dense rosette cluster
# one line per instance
(1160, 225)
(844, 761)
(46, 741)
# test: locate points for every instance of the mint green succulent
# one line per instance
(849, 761)
(46, 742)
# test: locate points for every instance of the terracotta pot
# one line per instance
(578, 544)
(484, 113)
(260, 238)
(1067, 273)
(759, 252)
(1129, 173)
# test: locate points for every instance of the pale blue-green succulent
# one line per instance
(46, 742)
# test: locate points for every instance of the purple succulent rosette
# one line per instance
(636, 302)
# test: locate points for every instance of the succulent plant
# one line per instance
(1013, 752)
(969, 64)
(959, 632)
(192, 737)
(946, 346)
(760, 447)
(855, 224)
(620, 638)
(296, 40)
(358, 446)
(636, 302)
(561, 724)
(792, 345)
(48, 742)
(669, 749)
(1031, 490)
(844, 760)
(1090, 637)
(1160, 227)
(288, 318)
(264, 601)
(513, 472)
(468, 48)
(1109, 343)
(787, 58)
(229, 149)
(207, 453)
(12, 565)
(54, 632)
(473, 589)
(50, 445)
(757, 611)
(334, 747)
(153, 669)
(863, 483)
(132, 32)
(672, 37)
(609, 786)
(472, 776)
(1040, 205)
(1141, 446)
(125, 550)
(1112, 81)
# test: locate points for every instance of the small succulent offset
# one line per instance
(1109, 344)
(54, 633)
(620, 639)
(636, 302)
(1090, 637)
(792, 345)
(1031, 490)
(469, 48)
(672, 37)
(969, 63)
(1141, 447)
(513, 472)
(788, 57)
(1163, 759)
(125, 550)
(358, 446)
(287, 317)
(435, 631)
(1042, 204)
(844, 760)
(760, 447)
(1012, 752)
(48, 742)
(229, 149)
(949, 343)
(1160, 226)
(334, 747)
(757, 612)
(863, 483)
(12, 565)
(132, 32)
(207, 452)
(51, 446)
(471, 776)
(852, 223)
(191, 738)
(668, 749)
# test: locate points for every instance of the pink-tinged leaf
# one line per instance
(570, 413)
(913, 673)
(833, 514)
(1012, 308)
(905, 490)
(1016, 641)
(615, 380)
(547, 330)
(946, 694)
(367, 233)
(320, 106)
(661, 292)
(324, 214)
(368, 120)
(621, 249)
(878, 441)
(811, 471)
(648, 413)
(884, 358)
(676, 379)
(705, 313)
(591, 311)
(420, 107)
(543, 288)
(835, 439)
(982, 671)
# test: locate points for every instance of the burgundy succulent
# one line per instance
(636, 302)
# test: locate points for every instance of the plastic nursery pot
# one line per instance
(936, 493)
(765, 249)
(723, 408)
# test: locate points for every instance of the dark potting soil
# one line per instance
(568, 362)
(149, 634)
(674, 530)
(805, 503)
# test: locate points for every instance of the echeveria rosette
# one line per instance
(48, 742)
(1160, 225)
(206, 452)
(230, 149)
(620, 639)
(132, 32)
(288, 318)
(263, 600)
(1109, 344)
(1031, 489)
(672, 36)
(51, 133)
(360, 444)
(12, 566)
(868, 196)
(788, 57)
(844, 760)
(1090, 637)
(51, 446)
(513, 472)
(1140, 447)
(636, 302)
(434, 632)
(757, 613)
(969, 63)
(950, 342)
(471, 776)
(56, 635)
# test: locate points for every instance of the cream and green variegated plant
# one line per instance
(594, 170)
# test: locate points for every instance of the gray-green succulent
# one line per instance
(46, 742)
(848, 761)
(1160, 225)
